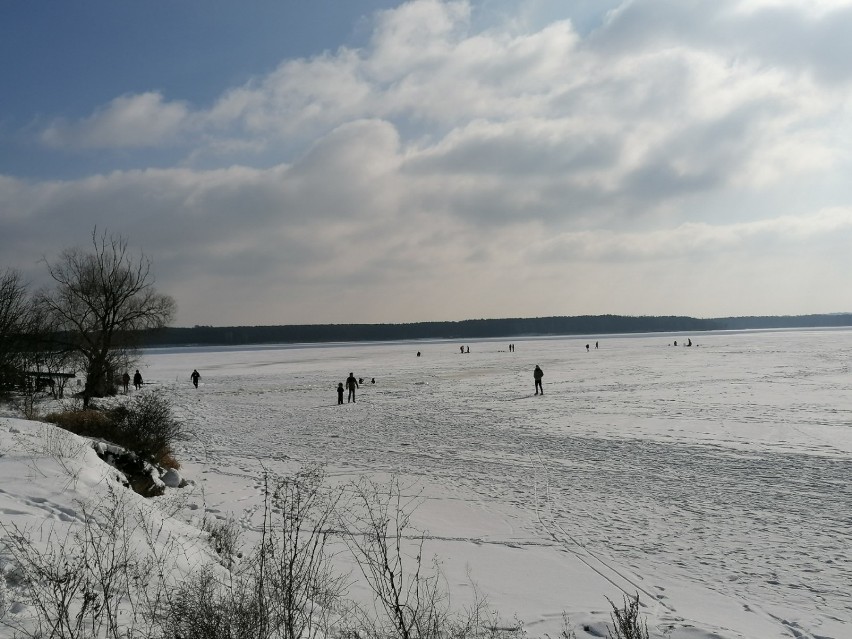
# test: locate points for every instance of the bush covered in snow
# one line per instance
(145, 426)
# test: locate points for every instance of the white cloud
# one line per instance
(816, 8)
(352, 235)
(693, 240)
(143, 120)
(440, 166)
(686, 110)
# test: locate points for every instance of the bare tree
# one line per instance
(103, 298)
(15, 311)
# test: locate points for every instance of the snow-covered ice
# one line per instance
(714, 481)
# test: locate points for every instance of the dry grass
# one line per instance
(87, 423)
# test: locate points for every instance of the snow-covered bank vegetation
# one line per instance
(85, 556)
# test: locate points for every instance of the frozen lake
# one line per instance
(712, 480)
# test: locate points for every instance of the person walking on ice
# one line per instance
(195, 377)
(351, 384)
(537, 375)
(137, 380)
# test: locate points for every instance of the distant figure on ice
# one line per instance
(467, 350)
(195, 377)
(675, 342)
(137, 380)
(340, 393)
(373, 380)
(351, 384)
(688, 342)
(125, 382)
(596, 344)
(360, 380)
(418, 353)
(461, 349)
(537, 375)
(587, 348)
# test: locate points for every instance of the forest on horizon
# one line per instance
(590, 325)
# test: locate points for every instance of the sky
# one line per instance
(377, 161)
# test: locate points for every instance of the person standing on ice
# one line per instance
(195, 377)
(351, 384)
(340, 393)
(137, 380)
(537, 375)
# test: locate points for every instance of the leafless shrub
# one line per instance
(63, 447)
(98, 582)
(79, 583)
(27, 403)
(205, 608)
(626, 622)
(286, 589)
(224, 537)
(4, 597)
(480, 621)
(147, 426)
(296, 571)
(61, 444)
(412, 601)
(566, 632)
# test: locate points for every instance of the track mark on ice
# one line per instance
(581, 552)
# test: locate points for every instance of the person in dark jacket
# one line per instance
(340, 393)
(125, 382)
(137, 380)
(351, 384)
(195, 377)
(537, 375)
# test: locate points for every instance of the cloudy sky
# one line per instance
(326, 161)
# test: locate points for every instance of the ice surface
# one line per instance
(714, 481)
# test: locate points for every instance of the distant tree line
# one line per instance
(472, 329)
(828, 320)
